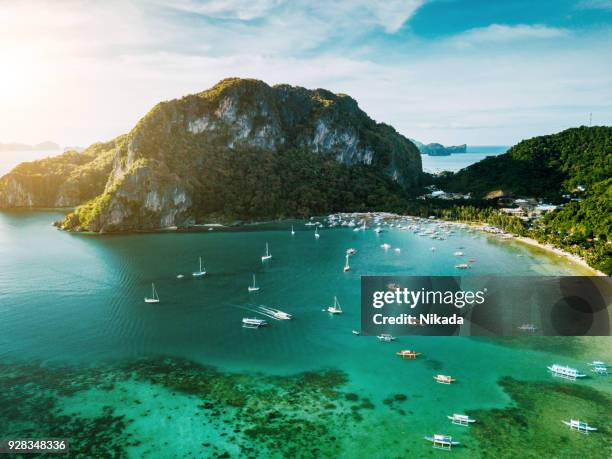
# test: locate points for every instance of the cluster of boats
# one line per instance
(446, 442)
(421, 226)
(562, 371)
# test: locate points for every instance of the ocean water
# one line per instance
(73, 318)
(453, 163)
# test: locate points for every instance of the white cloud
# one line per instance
(244, 10)
(596, 4)
(77, 73)
(501, 33)
(354, 14)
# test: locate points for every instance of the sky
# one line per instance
(479, 72)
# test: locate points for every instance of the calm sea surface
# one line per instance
(79, 299)
(453, 163)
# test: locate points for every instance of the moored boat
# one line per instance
(565, 372)
(444, 379)
(462, 266)
(346, 264)
(579, 426)
(386, 337)
(445, 442)
(248, 322)
(335, 309)
(254, 287)
(154, 298)
(201, 272)
(268, 255)
(407, 354)
(461, 419)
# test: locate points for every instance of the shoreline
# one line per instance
(557, 251)
(551, 249)
(384, 216)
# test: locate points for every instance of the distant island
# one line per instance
(437, 149)
(43, 146)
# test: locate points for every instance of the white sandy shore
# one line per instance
(546, 247)
(551, 248)
(481, 227)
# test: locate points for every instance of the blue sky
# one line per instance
(452, 71)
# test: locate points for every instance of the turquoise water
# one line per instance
(78, 300)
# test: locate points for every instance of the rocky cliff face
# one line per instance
(162, 173)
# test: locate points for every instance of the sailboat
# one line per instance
(317, 235)
(346, 264)
(254, 287)
(268, 255)
(292, 231)
(154, 298)
(335, 309)
(201, 271)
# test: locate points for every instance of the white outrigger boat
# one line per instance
(346, 264)
(356, 332)
(386, 337)
(444, 442)
(579, 426)
(154, 298)
(253, 323)
(458, 254)
(461, 419)
(565, 372)
(444, 379)
(462, 266)
(254, 287)
(201, 272)
(268, 255)
(335, 309)
(527, 328)
(351, 251)
(407, 354)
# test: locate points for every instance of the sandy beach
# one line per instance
(552, 249)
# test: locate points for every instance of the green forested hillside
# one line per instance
(60, 181)
(246, 150)
(576, 162)
(543, 167)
